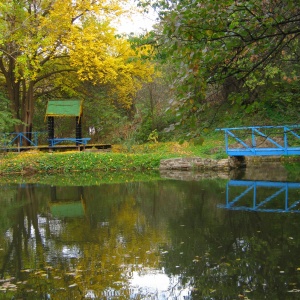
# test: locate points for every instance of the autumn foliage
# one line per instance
(54, 45)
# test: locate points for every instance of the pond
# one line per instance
(156, 238)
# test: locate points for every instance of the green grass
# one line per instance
(140, 157)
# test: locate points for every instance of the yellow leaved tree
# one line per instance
(56, 44)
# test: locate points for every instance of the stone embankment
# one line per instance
(227, 164)
(257, 168)
(196, 163)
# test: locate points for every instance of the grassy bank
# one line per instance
(121, 158)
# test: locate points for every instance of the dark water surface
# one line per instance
(157, 239)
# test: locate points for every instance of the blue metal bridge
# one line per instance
(262, 140)
(262, 196)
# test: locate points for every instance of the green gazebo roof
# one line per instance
(64, 108)
(65, 210)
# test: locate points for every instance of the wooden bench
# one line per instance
(81, 141)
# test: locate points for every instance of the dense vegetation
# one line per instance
(206, 64)
(237, 62)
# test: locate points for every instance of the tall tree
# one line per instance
(51, 44)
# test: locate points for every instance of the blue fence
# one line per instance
(26, 140)
(14, 139)
(262, 140)
(262, 196)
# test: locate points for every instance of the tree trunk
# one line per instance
(22, 104)
(27, 109)
(13, 87)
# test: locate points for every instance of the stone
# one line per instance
(194, 163)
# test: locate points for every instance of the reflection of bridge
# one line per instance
(262, 140)
(262, 196)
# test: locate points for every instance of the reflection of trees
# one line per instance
(72, 257)
(121, 242)
(233, 254)
(25, 220)
(22, 244)
(141, 227)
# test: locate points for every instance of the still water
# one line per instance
(160, 238)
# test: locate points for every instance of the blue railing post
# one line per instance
(35, 134)
(21, 139)
(253, 138)
(226, 141)
(285, 139)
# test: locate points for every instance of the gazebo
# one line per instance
(65, 108)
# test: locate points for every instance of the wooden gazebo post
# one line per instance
(78, 129)
(50, 130)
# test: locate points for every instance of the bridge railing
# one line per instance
(262, 140)
(19, 139)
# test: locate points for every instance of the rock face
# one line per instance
(195, 163)
(227, 164)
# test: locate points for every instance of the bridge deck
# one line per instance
(264, 151)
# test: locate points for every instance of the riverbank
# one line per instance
(155, 156)
(121, 158)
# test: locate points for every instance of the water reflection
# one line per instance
(164, 239)
(262, 196)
